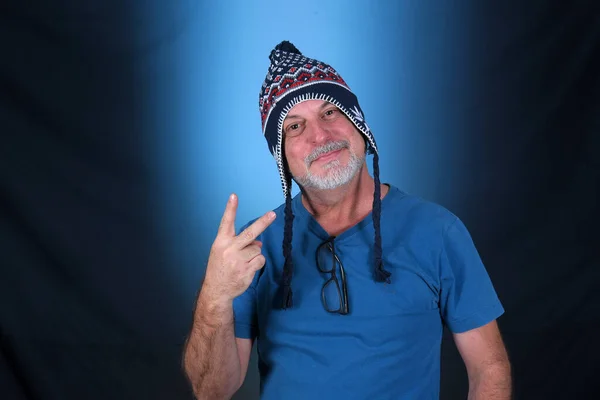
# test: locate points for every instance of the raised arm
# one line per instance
(215, 362)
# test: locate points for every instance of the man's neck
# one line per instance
(339, 209)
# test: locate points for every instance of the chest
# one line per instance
(378, 310)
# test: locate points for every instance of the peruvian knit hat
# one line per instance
(291, 79)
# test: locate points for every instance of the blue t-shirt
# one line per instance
(389, 345)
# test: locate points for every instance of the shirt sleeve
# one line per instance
(244, 312)
(244, 308)
(468, 298)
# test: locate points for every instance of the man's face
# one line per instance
(324, 149)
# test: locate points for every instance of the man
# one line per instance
(347, 286)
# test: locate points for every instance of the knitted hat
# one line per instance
(291, 79)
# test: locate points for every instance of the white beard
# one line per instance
(335, 175)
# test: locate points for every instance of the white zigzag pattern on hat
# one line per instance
(357, 114)
(274, 152)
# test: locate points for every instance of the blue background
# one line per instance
(125, 125)
(408, 63)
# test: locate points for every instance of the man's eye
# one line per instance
(330, 112)
(293, 129)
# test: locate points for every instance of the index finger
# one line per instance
(227, 225)
(250, 234)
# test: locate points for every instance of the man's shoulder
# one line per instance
(417, 204)
(417, 210)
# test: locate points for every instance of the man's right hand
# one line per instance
(234, 260)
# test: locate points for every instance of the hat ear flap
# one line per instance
(368, 148)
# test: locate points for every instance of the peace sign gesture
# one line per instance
(234, 259)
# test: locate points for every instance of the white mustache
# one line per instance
(331, 146)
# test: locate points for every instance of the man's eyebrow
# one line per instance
(322, 106)
(293, 116)
(325, 104)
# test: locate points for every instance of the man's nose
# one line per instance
(319, 132)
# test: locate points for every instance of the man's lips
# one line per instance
(328, 156)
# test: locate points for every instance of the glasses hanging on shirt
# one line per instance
(334, 293)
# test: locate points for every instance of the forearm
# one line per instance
(492, 383)
(211, 358)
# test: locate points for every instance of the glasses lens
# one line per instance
(332, 297)
(325, 258)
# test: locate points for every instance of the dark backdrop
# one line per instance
(90, 305)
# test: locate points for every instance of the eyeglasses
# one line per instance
(334, 296)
